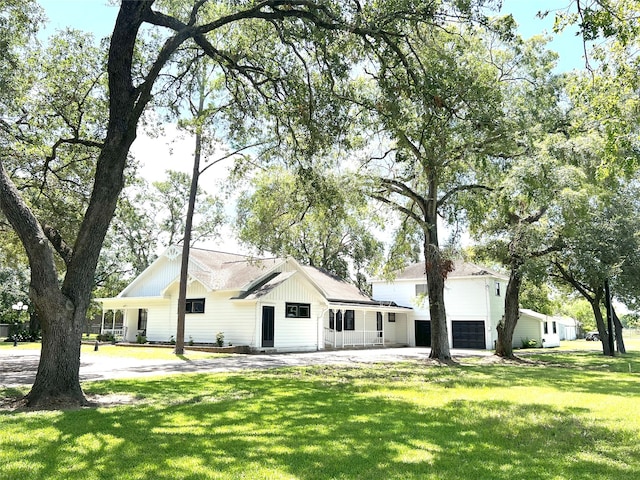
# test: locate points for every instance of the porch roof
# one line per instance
(116, 303)
(369, 306)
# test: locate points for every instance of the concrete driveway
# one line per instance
(18, 367)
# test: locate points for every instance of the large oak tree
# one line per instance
(442, 107)
(63, 267)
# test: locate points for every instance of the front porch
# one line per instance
(364, 326)
(365, 338)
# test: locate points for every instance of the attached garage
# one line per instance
(423, 333)
(468, 334)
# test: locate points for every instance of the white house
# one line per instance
(271, 303)
(532, 325)
(474, 302)
(568, 328)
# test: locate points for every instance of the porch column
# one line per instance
(364, 328)
(382, 313)
(102, 324)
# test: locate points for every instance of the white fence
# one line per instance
(118, 333)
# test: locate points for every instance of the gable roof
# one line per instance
(334, 288)
(228, 271)
(416, 271)
(249, 277)
(264, 286)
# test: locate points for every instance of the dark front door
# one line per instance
(423, 333)
(468, 334)
(268, 325)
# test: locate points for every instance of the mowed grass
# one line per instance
(120, 351)
(558, 417)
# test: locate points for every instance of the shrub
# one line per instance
(220, 339)
(141, 338)
(22, 335)
(529, 343)
(106, 337)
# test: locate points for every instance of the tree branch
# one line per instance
(54, 236)
(459, 189)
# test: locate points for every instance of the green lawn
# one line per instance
(143, 352)
(561, 416)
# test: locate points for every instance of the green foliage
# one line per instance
(106, 337)
(169, 203)
(20, 334)
(14, 287)
(220, 339)
(537, 296)
(630, 320)
(317, 217)
(20, 20)
(580, 309)
(529, 343)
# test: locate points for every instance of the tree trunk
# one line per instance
(506, 327)
(618, 329)
(58, 378)
(188, 226)
(186, 245)
(609, 309)
(600, 322)
(62, 309)
(436, 272)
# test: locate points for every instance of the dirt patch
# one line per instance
(112, 400)
(496, 360)
(93, 401)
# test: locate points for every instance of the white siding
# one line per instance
(154, 279)
(465, 299)
(161, 325)
(402, 327)
(294, 333)
(528, 328)
(401, 292)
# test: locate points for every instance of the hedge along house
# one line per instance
(274, 304)
(474, 302)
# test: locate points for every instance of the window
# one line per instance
(349, 320)
(298, 310)
(421, 289)
(339, 321)
(391, 317)
(195, 305)
(332, 319)
(546, 327)
(497, 289)
(554, 326)
(379, 323)
(142, 319)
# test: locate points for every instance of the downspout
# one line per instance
(487, 289)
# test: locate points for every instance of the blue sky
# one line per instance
(98, 17)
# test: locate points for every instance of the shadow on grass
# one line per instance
(300, 423)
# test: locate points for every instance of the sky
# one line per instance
(174, 152)
(98, 16)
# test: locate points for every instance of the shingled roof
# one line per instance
(228, 271)
(460, 269)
